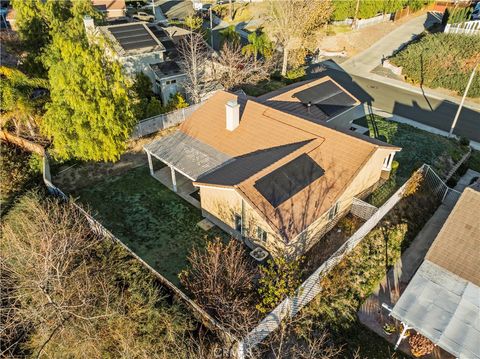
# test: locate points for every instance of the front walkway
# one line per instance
(370, 58)
(371, 313)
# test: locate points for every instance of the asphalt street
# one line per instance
(429, 111)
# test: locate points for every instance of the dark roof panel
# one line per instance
(132, 37)
(318, 93)
(289, 179)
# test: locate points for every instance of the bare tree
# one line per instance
(196, 57)
(66, 292)
(222, 281)
(292, 23)
(234, 69)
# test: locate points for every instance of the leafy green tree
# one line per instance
(259, 44)
(230, 35)
(18, 102)
(279, 279)
(90, 116)
(194, 23)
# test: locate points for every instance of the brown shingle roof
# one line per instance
(457, 246)
(263, 129)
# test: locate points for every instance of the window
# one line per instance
(333, 212)
(238, 223)
(170, 82)
(387, 162)
(261, 234)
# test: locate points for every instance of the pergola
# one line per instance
(185, 155)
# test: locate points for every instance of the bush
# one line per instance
(278, 279)
(441, 60)
(295, 75)
(19, 171)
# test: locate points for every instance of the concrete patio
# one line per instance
(184, 187)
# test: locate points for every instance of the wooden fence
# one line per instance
(312, 286)
(466, 28)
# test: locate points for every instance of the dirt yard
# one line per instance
(70, 177)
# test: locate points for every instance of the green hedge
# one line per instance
(344, 9)
(441, 60)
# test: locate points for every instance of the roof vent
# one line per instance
(233, 114)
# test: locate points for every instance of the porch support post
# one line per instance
(174, 180)
(150, 164)
(402, 335)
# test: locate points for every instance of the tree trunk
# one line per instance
(230, 10)
(285, 61)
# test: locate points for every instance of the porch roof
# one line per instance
(187, 155)
(443, 307)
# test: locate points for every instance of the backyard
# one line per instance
(149, 218)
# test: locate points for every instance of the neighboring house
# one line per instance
(266, 176)
(147, 48)
(168, 79)
(442, 301)
(321, 101)
(112, 9)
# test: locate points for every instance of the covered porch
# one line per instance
(176, 182)
(186, 159)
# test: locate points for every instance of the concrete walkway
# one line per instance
(370, 58)
(371, 312)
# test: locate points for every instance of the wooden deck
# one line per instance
(184, 185)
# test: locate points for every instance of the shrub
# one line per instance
(278, 279)
(295, 74)
(441, 60)
(463, 141)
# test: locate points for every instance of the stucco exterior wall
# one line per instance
(223, 204)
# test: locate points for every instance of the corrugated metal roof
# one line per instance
(186, 154)
(444, 308)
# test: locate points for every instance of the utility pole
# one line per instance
(153, 9)
(470, 80)
(211, 27)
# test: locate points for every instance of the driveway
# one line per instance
(370, 58)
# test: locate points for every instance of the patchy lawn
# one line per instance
(150, 219)
(418, 146)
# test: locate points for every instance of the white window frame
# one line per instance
(333, 211)
(235, 222)
(387, 162)
(262, 234)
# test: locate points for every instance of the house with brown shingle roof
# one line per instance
(270, 177)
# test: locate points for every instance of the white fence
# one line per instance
(467, 28)
(361, 23)
(163, 121)
(312, 287)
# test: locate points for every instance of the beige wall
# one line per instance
(224, 203)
